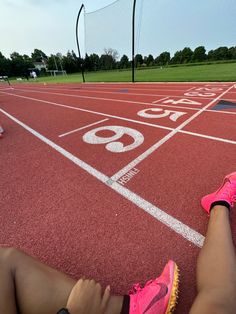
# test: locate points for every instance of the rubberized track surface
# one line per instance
(94, 207)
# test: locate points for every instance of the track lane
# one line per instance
(110, 107)
(66, 218)
(180, 172)
(164, 248)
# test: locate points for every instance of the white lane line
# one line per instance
(83, 127)
(149, 151)
(113, 90)
(209, 137)
(221, 111)
(42, 90)
(159, 100)
(190, 88)
(89, 111)
(7, 88)
(133, 121)
(171, 222)
(115, 100)
(230, 99)
(139, 102)
(109, 99)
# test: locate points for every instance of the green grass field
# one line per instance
(222, 72)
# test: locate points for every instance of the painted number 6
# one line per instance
(112, 145)
(173, 115)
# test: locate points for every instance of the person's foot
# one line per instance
(158, 296)
(226, 193)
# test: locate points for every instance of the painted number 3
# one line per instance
(113, 145)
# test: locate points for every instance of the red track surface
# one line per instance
(65, 216)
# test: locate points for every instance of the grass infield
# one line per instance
(222, 72)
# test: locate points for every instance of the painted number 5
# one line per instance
(173, 115)
(113, 145)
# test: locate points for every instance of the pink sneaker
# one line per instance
(1, 131)
(227, 193)
(158, 296)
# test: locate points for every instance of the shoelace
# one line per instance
(137, 287)
(228, 192)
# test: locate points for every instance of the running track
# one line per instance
(104, 180)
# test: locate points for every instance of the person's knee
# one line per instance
(219, 308)
(7, 255)
(213, 302)
(209, 307)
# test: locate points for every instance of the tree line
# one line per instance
(20, 65)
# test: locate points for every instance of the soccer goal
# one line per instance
(56, 72)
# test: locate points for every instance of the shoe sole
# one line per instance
(174, 291)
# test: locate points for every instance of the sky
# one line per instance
(162, 25)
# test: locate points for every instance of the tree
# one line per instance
(78, 61)
(108, 59)
(178, 58)
(20, 64)
(53, 62)
(232, 53)
(211, 55)
(5, 65)
(138, 60)
(124, 62)
(222, 53)
(87, 63)
(199, 54)
(69, 63)
(150, 60)
(94, 59)
(106, 62)
(112, 52)
(187, 54)
(38, 55)
(163, 58)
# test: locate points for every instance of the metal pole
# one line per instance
(133, 40)
(60, 64)
(7, 79)
(77, 40)
(55, 62)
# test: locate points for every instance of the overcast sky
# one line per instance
(166, 25)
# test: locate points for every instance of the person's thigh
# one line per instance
(37, 288)
(7, 289)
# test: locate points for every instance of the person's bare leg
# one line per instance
(34, 288)
(30, 285)
(7, 288)
(216, 268)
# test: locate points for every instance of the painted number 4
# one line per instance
(111, 142)
(173, 115)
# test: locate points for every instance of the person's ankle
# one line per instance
(219, 209)
(220, 203)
